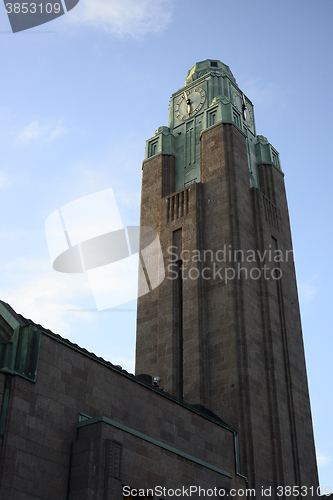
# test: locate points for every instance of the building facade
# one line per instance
(75, 427)
(229, 410)
(223, 330)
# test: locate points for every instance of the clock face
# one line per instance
(238, 101)
(248, 118)
(189, 103)
(244, 107)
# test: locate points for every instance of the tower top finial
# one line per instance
(208, 66)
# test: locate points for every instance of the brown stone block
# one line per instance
(35, 423)
(11, 467)
(53, 443)
(50, 490)
(155, 479)
(6, 493)
(30, 396)
(79, 373)
(17, 416)
(23, 485)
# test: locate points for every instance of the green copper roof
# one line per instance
(210, 97)
(208, 66)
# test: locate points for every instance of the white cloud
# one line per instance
(266, 95)
(125, 362)
(64, 304)
(307, 291)
(12, 235)
(6, 180)
(129, 200)
(323, 460)
(2, 180)
(37, 292)
(125, 17)
(99, 176)
(45, 133)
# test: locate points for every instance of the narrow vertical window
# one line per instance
(178, 330)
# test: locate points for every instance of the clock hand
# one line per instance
(188, 102)
(244, 106)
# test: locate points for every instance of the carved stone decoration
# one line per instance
(195, 76)
(218, 99)
(113, 459)
(262, 140)
(117, 448)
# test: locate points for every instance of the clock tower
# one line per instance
(223, 330)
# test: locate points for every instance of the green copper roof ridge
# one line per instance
(20, 357)
(7, 316)
(206, 67)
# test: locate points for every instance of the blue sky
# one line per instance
(82, 94)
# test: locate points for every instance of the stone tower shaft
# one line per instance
(223, 330)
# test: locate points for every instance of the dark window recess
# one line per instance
(213, 64)
(179, 331)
